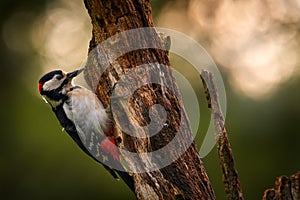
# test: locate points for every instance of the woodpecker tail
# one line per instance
(127, 179)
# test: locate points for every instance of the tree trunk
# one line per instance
(184, 177)
(286, 188)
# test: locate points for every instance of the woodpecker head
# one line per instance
(54, 85)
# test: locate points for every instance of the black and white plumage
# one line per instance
(84, 118)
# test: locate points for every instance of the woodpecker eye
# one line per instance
(59, 77)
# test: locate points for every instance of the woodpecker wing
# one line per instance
(86, 121)
(90, 120)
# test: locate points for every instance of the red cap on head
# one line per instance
(40, 87)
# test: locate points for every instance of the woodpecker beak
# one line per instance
(73, 74)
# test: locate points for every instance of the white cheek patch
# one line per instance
(52, 84)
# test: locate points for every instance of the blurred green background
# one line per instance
(254, 43)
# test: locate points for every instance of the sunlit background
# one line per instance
(254, 43)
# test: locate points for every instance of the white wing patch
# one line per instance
(88, 115)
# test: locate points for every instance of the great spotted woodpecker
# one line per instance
(84, 118)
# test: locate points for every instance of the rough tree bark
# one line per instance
(185, 178)
(230, 176)
(286, 188)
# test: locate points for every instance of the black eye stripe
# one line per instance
(62, 85)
